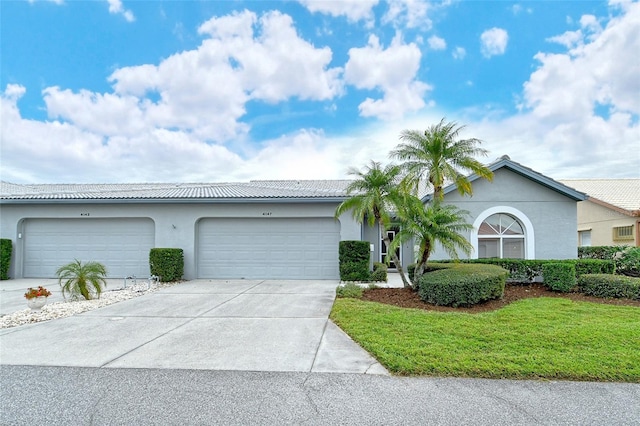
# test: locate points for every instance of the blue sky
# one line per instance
(142, 91)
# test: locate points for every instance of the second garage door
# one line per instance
(301, 248)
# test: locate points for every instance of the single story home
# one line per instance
(260, 229)
(611, 213)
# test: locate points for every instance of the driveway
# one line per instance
(250, 325)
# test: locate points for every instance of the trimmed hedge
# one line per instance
(379, 273)
(354, 271)
(605, 285)
(462, 285)
(6, 250)
(167, 263)
(559, 276)
(625, 258)
(526, 270)
(354, 260)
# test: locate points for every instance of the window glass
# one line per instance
(488, 247)
(501, 235)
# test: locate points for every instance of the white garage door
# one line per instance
(268, 248)
(122, 245)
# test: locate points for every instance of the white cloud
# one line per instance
(408, 13)
(437, 43)
(590, 28)
(517, 9)
(459, 53)
(560, 132)
(494, 42)
(115, 7)
(204, 91)
(353, 10)
(393, 71)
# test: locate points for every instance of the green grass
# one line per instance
(541, 338)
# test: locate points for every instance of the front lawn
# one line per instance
(538, 338)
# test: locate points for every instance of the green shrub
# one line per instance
(607, 285)
(355, 271)
(462, 285)
(166, 263)
(350, 290)
(594, 266)
(353, 251)
(599, 252)
(379, 273)
(559, 276)
(628, 263)
(354, 260)
(6, 249)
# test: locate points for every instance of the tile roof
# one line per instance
(621, 193)
(292, 189)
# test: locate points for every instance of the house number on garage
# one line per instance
(266, 213)
(84, 214)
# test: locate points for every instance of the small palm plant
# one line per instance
(84, 280)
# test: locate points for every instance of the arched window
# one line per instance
(501, 235)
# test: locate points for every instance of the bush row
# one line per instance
(526, 270)
(462, 285)
(626, 258)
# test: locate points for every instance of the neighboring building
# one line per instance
(261, 229)
(611, 214)
(520, 214)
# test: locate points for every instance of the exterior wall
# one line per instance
(551, 216)
(601, 220)
(175, 223)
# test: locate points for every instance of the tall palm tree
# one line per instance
(431, 224)
(372, 194)
(438, 155)
(84, 280)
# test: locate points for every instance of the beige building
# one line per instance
(611, 214)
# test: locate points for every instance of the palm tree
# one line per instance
(438, 155)
(372, 194)
(82, 280)
(431, 224)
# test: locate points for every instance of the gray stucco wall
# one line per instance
(552, 216)
(175, 223)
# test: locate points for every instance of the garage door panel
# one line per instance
(294, 248)
(122, 245)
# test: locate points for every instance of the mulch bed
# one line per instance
(407, 298)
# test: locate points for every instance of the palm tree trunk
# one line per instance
(394, 257)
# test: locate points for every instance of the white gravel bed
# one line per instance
(67, 308)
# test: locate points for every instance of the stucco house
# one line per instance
(611, 213)
(259, 229)
(520, 214)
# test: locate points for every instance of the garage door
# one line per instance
(268, 248)
(122, 245)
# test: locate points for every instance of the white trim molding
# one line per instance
(530, 244)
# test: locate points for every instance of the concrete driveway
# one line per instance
(250, 325)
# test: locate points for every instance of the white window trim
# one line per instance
(530, 244)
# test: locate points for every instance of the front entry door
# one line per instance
(391, 233)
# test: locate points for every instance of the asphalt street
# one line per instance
(34, 395)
